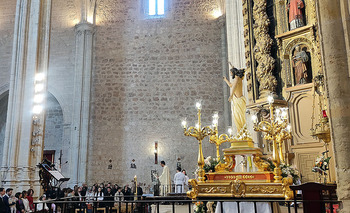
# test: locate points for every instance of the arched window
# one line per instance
(156, 7)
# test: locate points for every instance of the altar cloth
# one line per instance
(247, 207)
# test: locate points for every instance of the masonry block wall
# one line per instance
(65, 15)
(148, 74)
(7, 23)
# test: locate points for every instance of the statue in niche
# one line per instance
(238, 102)
(295, 10)
(301, 65)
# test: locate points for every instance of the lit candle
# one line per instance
(184, 123)
(289, 128)
(278, 119)
(229, 130)
(270, 99)
(284, 113)
(215, 122)
(254, 119)
(278, 111)
(197, 126)
(216, 115)
(198, 105)
(215, 118)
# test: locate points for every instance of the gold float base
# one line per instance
(241, 189)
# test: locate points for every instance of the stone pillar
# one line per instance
(81, 106)
(227, 109)
(333, 39)
(235, 37)
(30, 55)
(235, 44)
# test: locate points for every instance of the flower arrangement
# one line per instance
(290, 171)
(210, 163)
(287, 170)
(198, 207)
(321, 164)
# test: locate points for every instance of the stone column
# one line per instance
(81, 106)
(30, 55)
(227, 109)
(235, 44)
(235, 37)
(334, 39)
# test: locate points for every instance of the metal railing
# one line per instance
(155, 204)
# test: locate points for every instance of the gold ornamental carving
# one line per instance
(218, 189)
(238, 188)
(227, 166)
(194, 192)
(288, 193)
(262, 49)
(264, 189)
(260, 163)
(248, 45)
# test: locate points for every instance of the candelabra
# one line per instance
(219, 139)
(199, 133)
(276, 130)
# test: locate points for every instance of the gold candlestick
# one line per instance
(276, 130)
(199, 133)
(216, 139)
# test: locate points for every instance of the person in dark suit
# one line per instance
(19, 204)
(127, 193)
(108, 196)
(2, 204)
(6, 199)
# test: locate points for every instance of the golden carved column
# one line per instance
(262, 49)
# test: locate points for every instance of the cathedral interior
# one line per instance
(100, 87)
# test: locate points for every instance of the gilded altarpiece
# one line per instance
(283, 58)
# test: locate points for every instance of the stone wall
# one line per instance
(148, 75)
(54, 130)
(65, 15)
(7, 19)
(62, 53)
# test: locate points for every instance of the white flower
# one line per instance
(207, 160)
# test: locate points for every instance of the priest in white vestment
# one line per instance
(164, 180)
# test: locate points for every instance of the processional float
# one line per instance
(225, 182)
